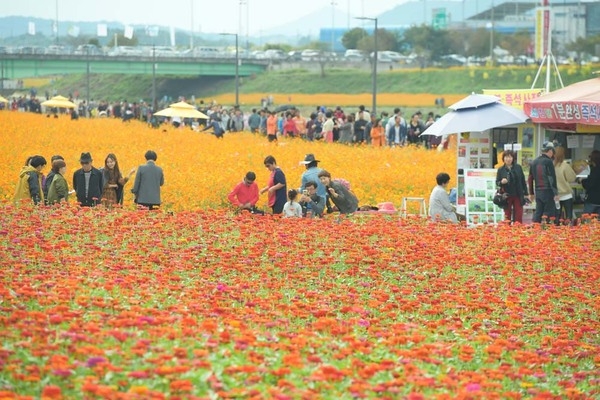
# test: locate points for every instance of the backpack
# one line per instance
(343, 182)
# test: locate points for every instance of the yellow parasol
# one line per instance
(3, 100)
(59, 102)
(182, 110)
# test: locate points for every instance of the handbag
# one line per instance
(500, 198)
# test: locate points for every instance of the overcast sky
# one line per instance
(207, 15)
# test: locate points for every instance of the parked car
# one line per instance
(258, 55)
(453, 60)
(274, 54)
(392, 55)
(524, 60)
(294, 55)
(381, 57)
(207, 52)
(310, 55)
(164, 51)
(125, 51)
(90, 49)
(354, 55)
(32, 50)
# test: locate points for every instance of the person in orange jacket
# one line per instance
(378, 134)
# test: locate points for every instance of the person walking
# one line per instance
(542, 184)
(148, 181)
(511, 179)
(87, 182)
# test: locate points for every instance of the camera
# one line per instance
(305, 192)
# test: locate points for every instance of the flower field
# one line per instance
(201, 170)
(195, 302)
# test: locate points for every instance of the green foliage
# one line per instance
(385, 41)
(587, 45)
(459, 80)
(352, 37)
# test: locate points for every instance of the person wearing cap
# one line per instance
(148, 180)
(312, 175)
(244, 195)
(542, 184)
(87, 182)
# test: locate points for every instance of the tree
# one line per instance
(517, 43)
(386, 40)
(427, 43)
(587, 45)
(352, 37)
(123, 41)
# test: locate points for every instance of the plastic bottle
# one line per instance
(557, 204)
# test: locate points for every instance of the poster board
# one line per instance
(479, 189)
(474, 150)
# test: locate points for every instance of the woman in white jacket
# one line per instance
(440, 208)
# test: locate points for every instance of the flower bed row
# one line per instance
(135, 304)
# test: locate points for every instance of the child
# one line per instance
(292, 208)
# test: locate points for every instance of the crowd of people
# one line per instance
(90, 185)
(318, 192)
(326, 124)
(549, 185)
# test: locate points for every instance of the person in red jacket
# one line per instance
(289, 126)
(244, 195)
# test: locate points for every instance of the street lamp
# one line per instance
(333, 4)
(154, 105)
(87, 81)
(375, 59)
(237, 66)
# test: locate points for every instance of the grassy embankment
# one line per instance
(345, 87)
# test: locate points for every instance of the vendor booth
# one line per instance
(570, 117)
(485, 126)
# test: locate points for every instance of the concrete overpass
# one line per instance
(19, 66)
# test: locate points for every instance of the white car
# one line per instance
(165, 51)
(310, 55)
(392, 55)
(354, 55)
(274, 54)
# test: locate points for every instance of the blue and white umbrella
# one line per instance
(476, 113)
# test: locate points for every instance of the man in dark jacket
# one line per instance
(542, 177)
(87, 182)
